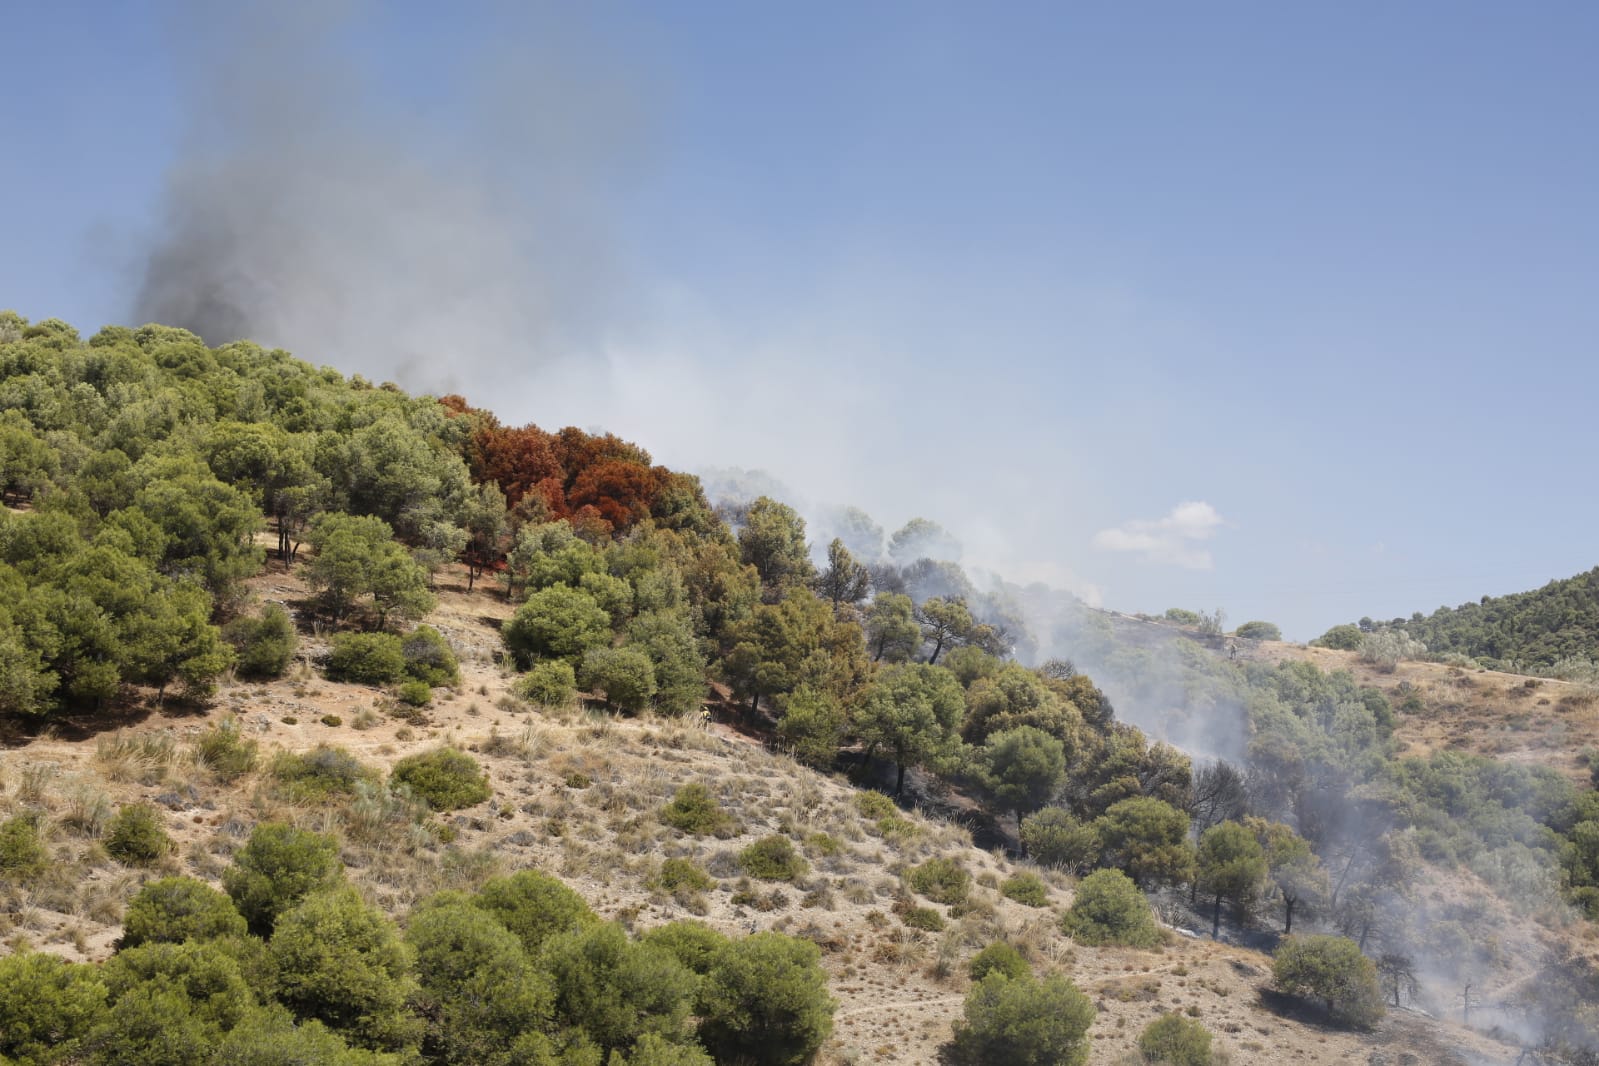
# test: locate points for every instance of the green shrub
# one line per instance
(765, 1002)
(429, 657)
(332, 721)
(552, 683)
(533, 906)
(414, 693)
(924, 918)
(342, 962)
(367, 658)
(446, 778)
(175, 909)
(625, 677)
(875, 805)
(1054, 837)
(135, 836)
(1173, 1039)
(22, 851)
(681, 875)
(272, 1038)
(1259, 631)
(1340, 638)
(695, 811)
(1026, 888)
(1001, 958)
(277, 867)
(1020, 1021)
(170, 1004)
(323, 773)
(1182, 616)
(47, 1007)
(1331, 970)
(265, 644)
(694, 944)
(773, 858)
(1109, 909)
(616, 990)
(941, 880)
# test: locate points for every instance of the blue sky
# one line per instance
(1280, 309)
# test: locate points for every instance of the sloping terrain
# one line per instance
(577, 795)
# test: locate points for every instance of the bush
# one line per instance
(765, 1002)
(271, 1038)
(447, 779)
(135, 836)
(1171, 1038)
(175, 909)
(47, 1006)
(875, 805)
(550, 684)
(1053, 837)
(625, 677)
(695, 811)
(265, 644)
(681, 875)
(534, 906)
(429, 657)
(773, 858)
(558, 622)
(367, 658)
(1182, 616)
(1109, 909)
(22, 851)
(1331, 970)
(924, 918)
(1026, 888)
(277, 867)
(1258, 631)
(171, 1002)
(341, 962)
(222, 750)
(1023, 1022)
(1340, 638)
(1001, 958)
(694, 944)
(941, 880)
(414, 693)
(616, 990)
(324, 772)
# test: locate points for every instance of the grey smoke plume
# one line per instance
(437, 228)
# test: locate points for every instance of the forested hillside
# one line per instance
(155, 488)
(1551, 629)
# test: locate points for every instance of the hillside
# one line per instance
(898, 989)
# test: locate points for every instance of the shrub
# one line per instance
(414, 693)
(558, 622)
(681, 875)
(367, 658)
(175, 909)
(1340, 638)
(773, 858)
(1026, 888)
(277, 867)
(625, 677)
(616, 990)
(1258, 631)
(533, 906)
(271, 1038)
(324, 772)
(694, 944)
(550, 684)
(22, 852)
(429, 657)
(1053, 837)
(341, 962)
(1109, 909)
(875, 805)
(695, 811)
(135, 836)
(1331, 970)
(1148, 839)
(222, 750)
(265, 644)
(446, 778)
(47, 1006)
(924, 918)
(941, 880)
(1001, 958)
(1171, 1038)
(1021, 1021)
(1182, 616)
(171, 1002)
(765, 1002)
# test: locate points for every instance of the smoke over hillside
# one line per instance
(319, 207)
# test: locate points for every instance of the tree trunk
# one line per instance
(899, 781)
(938, 646)
(1288, 926)
(1215, 919)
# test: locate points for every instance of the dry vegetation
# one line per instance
(579, 796)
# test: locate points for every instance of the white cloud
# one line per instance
(1174, 539)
